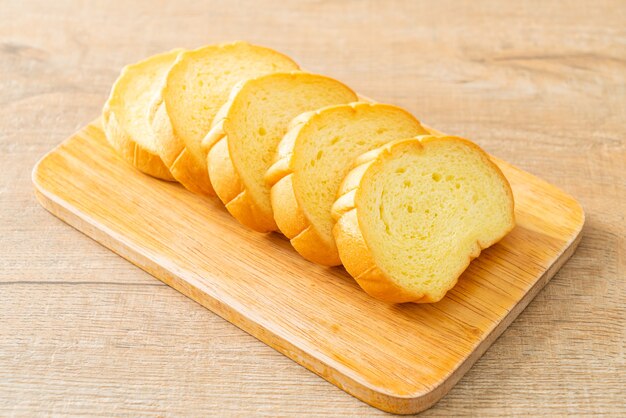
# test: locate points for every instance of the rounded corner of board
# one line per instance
(409, 404)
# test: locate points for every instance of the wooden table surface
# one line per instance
(541, 85)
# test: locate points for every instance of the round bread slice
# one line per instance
(314, 157)
(412, 215)
(195, 88)
(242, 143)
(125, 114)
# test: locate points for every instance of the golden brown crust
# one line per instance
(144, 160)
(294, 225)
(190, 173)
(231, 191)
(288, 213)
(353, 250)
(358, 261)
(120, 139)
(220, 168)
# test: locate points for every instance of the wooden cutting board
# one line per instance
(399, 358)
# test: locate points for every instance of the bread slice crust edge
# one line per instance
(172, 149)
(224, 176)
(288, 213)
(120, 139)
(353, 249)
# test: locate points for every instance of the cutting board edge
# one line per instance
(379, 398)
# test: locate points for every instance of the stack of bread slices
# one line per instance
(404, 208)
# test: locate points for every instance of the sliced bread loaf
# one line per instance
(242, 142)
(314, 157)
(195, 88)
(412, 215)
(125, 114)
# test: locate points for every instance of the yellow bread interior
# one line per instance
(324, 146)
(125, 114)
(200, 81)
(253, 122)
(424, 209)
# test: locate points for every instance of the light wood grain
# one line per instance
(398, 358)
(540, 84)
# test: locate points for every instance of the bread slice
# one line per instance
(242, 143)
(125, 114)
(195, 88)
(314, 157)
(412, 215)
